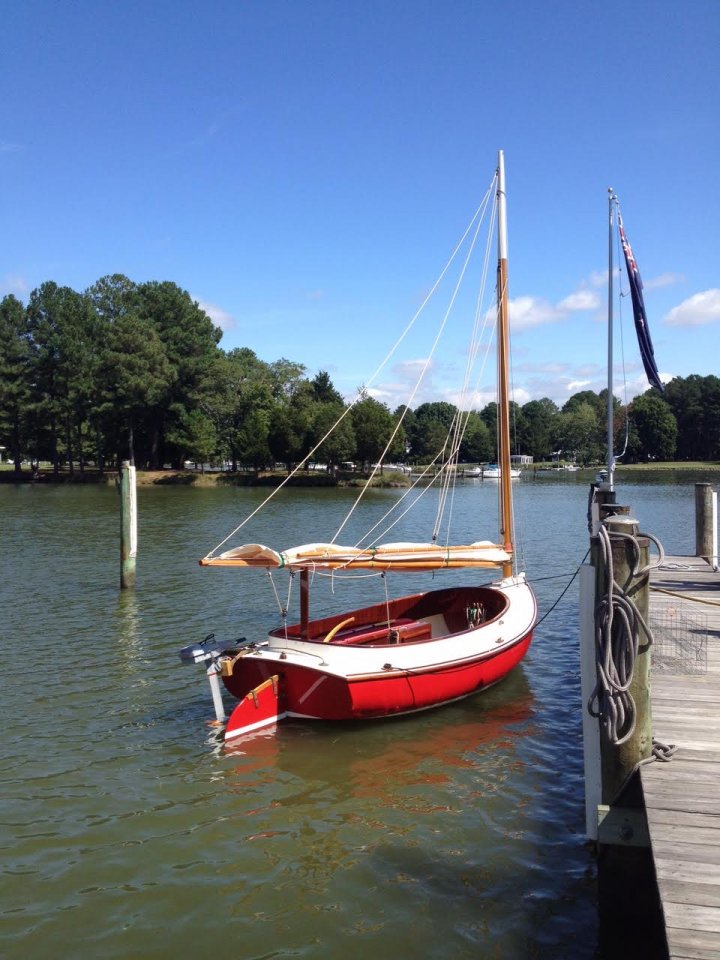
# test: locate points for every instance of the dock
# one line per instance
(682, 797)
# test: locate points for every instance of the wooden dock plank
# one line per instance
(682, 798)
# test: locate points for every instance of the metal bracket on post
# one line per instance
(622, 827)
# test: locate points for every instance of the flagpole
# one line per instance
(610, 407)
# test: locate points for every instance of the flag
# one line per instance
(641, 325)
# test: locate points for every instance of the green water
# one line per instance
(127, 831)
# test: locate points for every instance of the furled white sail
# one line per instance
(387, 556)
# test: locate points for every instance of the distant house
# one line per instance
(521, 459)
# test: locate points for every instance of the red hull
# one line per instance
(310, 693)
(345, 670)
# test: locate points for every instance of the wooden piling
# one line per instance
(128, 525)
(618, 761)
(705, 523)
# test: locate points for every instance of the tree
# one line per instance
(15, 358)
(291, 430)
(684, 396)
(655, 432)
(577, 433)
(287, 377)
(196, 434)
(190, 341)
(136, 376)
(373, 425)
(489, 416)
(538, 416)
(477, 445)
(324, 390)
(239, 399)
(340, 445)
(433, 423)
(63, 338)
(114, 296)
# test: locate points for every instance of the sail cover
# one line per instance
(387, 556)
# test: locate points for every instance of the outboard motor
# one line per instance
(209, 652)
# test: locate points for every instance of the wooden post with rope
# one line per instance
(619, 760)
(630, 925)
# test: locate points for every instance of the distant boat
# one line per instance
(493, 472)
(400, 655)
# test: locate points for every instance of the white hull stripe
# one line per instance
(241, 731)
(312, 689)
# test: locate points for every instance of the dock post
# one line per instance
(618, 761)
(630, 926)
(128, 525)
(588, 678)
(706, 545)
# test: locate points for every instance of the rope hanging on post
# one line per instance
(618, 624)
(611, 701)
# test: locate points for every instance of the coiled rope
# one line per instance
(618, 627)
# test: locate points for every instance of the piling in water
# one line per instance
(128, 525)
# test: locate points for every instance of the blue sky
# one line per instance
(304, 168)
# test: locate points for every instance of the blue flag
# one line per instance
(641, 326)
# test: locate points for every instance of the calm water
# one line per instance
(127, 831)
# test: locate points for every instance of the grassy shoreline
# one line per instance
(192, 478)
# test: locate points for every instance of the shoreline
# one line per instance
(192, 478)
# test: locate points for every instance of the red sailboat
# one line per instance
(401, 655)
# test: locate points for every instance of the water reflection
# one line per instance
(127, 625)
(454, 832)
(375, 759)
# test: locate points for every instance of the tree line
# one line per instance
(129, 370)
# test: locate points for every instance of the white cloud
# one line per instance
(527, 312)
(574, 386)
(550, 367)
(589, 370)
(6, 147)
(664, 280)
(221, 318)
(15, 284)
(696, 311)
(580, 300)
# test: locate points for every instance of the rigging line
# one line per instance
(475, 336)
(446, 474)
(480, 211)
(425, 367)
(394, 507)
(460, 423)
(335, 575)
(462, 418)
(274, 588)
(472, 351)
(567, 587)
(449, 475)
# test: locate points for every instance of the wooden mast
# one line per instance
(506, 514)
